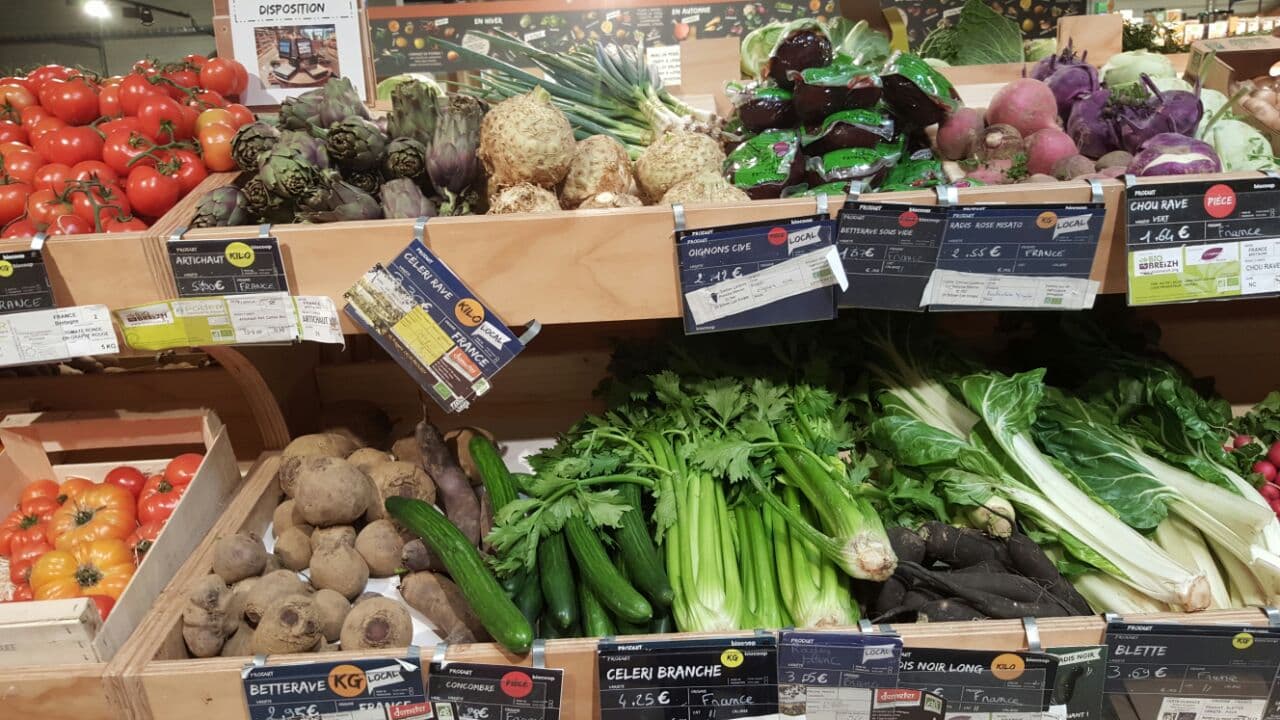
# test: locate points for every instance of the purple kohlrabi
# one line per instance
(1090, 124)
(1169, 111)
(1046, 66)
(1173, 154)
(1071, 83)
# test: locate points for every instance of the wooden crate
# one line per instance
(156, 679)
(53, 654)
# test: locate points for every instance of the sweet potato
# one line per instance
(436, 597)
(460, 502)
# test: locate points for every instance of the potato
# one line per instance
(365, 459)
(360, 420)
(309, 446)
(333, 609)
(436, 597)
(339, 568)
(377, 623)
(290, 624)
(330, 491)
(379, 543)
(336, 535)
(293, 548)
(240, 643)
(268, 589)
(238, 556)
(204, 615)
(397, 479)
(286, 516)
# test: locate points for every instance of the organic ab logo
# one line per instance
(1046, 220)
(240, 255)
(347, 680)
(469, 312)
(1007, 666)
(6, 269)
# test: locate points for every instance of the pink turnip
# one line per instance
(959, 135)
(993, 172)
(1274, 454)
(1072, 166)
(1000, 142)
(1265, 469)
(1046, 147)
(1028, 105)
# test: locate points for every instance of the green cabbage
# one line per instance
(1240, 146)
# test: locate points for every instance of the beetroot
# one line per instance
(1026, 104)
(1046, 147)
(800, 50)
(1115, 158)
(1072, 166)
(959, 135)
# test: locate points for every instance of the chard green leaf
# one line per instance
(1007, 402)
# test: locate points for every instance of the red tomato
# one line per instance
(39, 489)
(151, 192)
(44, 206)
(109, 101)
(70, 225)
(73, 145)
(53, 176)
(42, 128)
(21, 593)
(31, 115)
(243, 116)
(128, 477)
(21, 560)
(220, 75)
(215, 142)
(74, 101)
(23, 228)
(104, 604)
(96, 204)
(189, 168)
(14, 99)
(13, 201)
(162, 119)
(11, 131)
(43, 74)
(15, 80)
(123, 224)
(21, 165)
(145, 66)
(242, 78)
(127, 122)
(133, 90)
(195, 61)
(144, 537)
(158, 499)
(207, 99)
(182, 468)
(123, 151)
(94, 170)
(183, 79)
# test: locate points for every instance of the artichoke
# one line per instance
(340, 201)
(289, 173)
(356, 143)
(339, 101)
(222, 207)
(413, 111)
(311, 148)
(406, 158)
(250, 142)
(401, 198)
(265, 205)
(301, 112)
(451, 160)
(367, 180)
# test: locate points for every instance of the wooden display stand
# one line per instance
(55, 653)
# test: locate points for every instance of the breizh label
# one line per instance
(202, 268)
(24, 282)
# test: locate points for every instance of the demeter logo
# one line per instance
(469, 312)
(240, 255)
(1007, 666)
(347, 680)
(6, 269)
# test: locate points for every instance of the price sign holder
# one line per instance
(702, 679)
(1205, 672)
(889, 251)
(471, 691)
(240, 266)
(823, 675)
(433, 325)
(24, 280)
(1202, 240)
(758, 274)
(1079, 682)
(363, 689)
(982, 680)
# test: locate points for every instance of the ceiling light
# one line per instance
(96, 9)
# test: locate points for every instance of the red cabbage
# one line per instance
(1173, 154)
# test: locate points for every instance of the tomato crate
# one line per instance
(54, 654)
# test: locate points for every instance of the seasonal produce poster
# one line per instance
(292, 47)
(1035, 18)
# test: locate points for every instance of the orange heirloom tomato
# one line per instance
(72, 487)
(99, 567)
(19, 529)
(39, 489)
(99, 513)
(23, 559)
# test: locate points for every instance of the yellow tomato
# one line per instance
(215, 115)
(100, 567)
(97, 513)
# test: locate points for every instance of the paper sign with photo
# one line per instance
(290, 48)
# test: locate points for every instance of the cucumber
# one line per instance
(663, 624)
(529, 598)
(595, 619)
(557, 581)
(493, 472)
(491, 605)
(512, 583)
(624, 627)
(551, 632)
(637, 548)
(599, 573)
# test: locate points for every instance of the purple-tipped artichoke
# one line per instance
(301, 112)
(311, 148)
(402, 198)
(367, 180)
(222, 207)
(339, 101)
(250, 142)
(413, 111)
(265, 205)
(289, 173)
(451, 159)
(340, 201)
(406, 158)
(356, 143)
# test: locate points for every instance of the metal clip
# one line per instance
(437, 655)
(37, 242)
(1095, 190)
(177, 234)
(864, 625)
(412, 659)
(1033, 634)
(256, 661)
(1273, 615)
(855, 191)
(761, 633)
(264, 231)
(530, 332)
(820, 200)
(677, 215)
(1109, 618)
(1130, 180)
(887, 629)
(539, 653)
(420, 229)
(1273, 174)
(947, 195)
